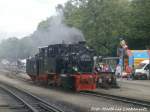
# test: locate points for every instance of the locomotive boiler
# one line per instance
(67, 65)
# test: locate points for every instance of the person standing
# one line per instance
(133, 72)
(118, 71)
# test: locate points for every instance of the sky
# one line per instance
(19, 18)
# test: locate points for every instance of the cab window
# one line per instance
(147, 67)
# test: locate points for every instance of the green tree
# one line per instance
(101, 21)
(9, 48)
(13, 48)
(139, 35)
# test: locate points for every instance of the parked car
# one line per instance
(142, 71)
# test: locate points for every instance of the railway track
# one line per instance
(30, 102)
(119, 98)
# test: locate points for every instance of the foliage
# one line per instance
(139, 36)
(14, 48)
(103, 22)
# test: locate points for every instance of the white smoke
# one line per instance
(57, 32)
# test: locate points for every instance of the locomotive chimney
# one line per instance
(82, 42)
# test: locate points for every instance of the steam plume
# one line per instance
(57, 32)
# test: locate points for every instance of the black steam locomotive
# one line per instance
(66, 65)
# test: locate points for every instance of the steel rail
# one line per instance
(32, 109)
(42, 103)
(119, 98)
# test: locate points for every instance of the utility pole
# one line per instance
(122, 61)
